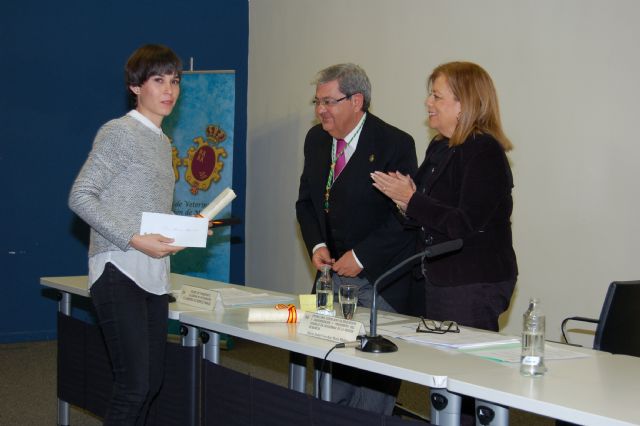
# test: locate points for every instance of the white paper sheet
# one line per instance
(511, 353)
(467, 338)
(396, 330)
(237, 297)
(187, 231)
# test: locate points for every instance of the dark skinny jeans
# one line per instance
(134, 326)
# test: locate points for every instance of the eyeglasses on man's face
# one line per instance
(328, 102)
(437, 327)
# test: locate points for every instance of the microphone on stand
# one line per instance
(373, 342)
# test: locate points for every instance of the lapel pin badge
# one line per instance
(371, 158)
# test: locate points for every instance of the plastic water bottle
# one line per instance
(324, 293)
(532, 356)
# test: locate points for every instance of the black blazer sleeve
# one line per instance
(309, 206)
(368, 219)
(388, 242)
(465, 197)
(469, 197)
(363, 219)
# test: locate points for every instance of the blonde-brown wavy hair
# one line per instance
(473, 88)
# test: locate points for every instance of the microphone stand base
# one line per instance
(376, 344)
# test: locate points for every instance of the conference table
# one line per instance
(68, 286)
(601, 389)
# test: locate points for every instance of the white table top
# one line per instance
(419, 364)
(79, 285)
(427, 366)
(75, 285)
(602, 389)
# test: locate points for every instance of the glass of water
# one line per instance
(348, 298)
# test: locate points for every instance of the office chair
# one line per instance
(618, 328)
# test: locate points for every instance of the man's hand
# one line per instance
(154, 245)
(321, 257)
(347, 265)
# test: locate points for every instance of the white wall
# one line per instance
(567, 77)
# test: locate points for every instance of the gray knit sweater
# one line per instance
(128, 172)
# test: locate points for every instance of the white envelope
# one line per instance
(187, 231)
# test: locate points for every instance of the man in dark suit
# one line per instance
(346, 223)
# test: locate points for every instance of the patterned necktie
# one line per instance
(341, 159)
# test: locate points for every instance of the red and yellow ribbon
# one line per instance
(293, 313)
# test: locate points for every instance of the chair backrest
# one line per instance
(618, 329)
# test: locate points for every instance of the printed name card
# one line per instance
(330, 328)
(202, 298)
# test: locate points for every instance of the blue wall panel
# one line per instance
(62, 77)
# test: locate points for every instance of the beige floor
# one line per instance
(28, 383)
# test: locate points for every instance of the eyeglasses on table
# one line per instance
(437, 327)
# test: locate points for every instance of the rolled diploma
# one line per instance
(271, 315)
(220, 202)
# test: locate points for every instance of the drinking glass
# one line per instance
(348, 298)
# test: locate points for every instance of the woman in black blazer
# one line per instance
(462, 190)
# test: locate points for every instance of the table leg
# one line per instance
(64, 307)
(297, 372)
(211, 348)
(445, 407)
(488, 413)
(322, 382)
(188, 336)
(189, 339)
(63, 413)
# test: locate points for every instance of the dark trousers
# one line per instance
(358, 388)
(474, 305)
(134, 325)
(364, 390)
